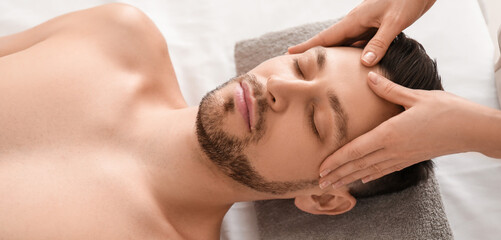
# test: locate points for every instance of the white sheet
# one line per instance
(201, 36)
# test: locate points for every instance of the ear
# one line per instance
(329, 203)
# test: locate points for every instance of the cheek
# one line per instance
(286, 153)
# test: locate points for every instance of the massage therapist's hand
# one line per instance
(384, 18)
(434, 123)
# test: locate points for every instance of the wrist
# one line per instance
(485, 132)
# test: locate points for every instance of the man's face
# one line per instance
(271, 128)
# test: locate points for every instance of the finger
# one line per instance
(391, 91)
(334, 35)
(316, 40)
(357, 169)
(388, 170)
(378, 45)
(376, 176)
(351, 178)
(356, 149)
(359, 43)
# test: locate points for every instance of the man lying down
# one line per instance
(98, 142)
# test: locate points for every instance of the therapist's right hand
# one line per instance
(376, 21)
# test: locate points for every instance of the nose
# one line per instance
(280, 92)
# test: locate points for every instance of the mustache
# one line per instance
(258, 88)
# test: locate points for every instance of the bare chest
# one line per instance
(42, 106)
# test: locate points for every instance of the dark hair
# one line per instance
(405, 63)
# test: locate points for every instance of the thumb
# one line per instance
(378, 45)
(391, 91)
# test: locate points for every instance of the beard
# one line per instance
(226, 151)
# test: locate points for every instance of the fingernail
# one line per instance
(373, 77)
(337, 184)
(324, 184)
(369, 57)
(366, 179)
(325, 172)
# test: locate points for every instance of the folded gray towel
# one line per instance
(415, 213)
(250, 53)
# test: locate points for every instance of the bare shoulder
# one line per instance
(130, 37)
(110, 26)
(122, 31)
(118, 36)
(119, 32)
(82, 71)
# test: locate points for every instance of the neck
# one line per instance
(189, 190)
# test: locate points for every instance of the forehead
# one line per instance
(347, 77)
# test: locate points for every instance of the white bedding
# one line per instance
(201, 36)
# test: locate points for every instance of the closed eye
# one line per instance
(312, 122)
(298, 68)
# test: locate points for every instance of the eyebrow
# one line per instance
(320, 51)
(340, 115)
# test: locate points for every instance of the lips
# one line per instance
(244, 103)
(249, 100)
